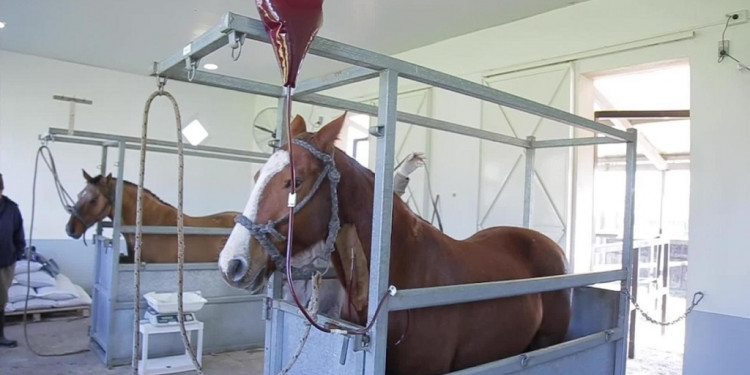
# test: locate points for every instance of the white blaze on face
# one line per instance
(238, 243)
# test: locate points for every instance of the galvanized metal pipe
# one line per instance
(627, 249)
(463, 293)
(528, 183)
(380, 253)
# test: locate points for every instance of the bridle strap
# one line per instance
(261, 232)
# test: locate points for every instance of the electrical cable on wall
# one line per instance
(724, 51)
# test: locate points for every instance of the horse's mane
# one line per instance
(96, 180)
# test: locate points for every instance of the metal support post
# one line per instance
(627, 249)
(103, 171)
(117, 225)
(382, 221)
(529, 181)
(272, 361)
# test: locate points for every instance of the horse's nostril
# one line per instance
(236, 269)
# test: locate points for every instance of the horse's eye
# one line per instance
(93, 201)
(297, 183)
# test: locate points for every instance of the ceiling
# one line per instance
(129, 35)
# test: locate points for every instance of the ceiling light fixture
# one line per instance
(210, 66)
(2, 25)
(195, 133)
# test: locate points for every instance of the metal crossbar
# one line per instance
(217, 37)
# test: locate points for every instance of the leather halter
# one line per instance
(261, 232)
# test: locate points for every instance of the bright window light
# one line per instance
(210, 66)
(195, 133)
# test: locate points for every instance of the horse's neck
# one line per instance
(154, 212)
(356, 192)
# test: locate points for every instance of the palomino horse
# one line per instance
(96, 201)
(421, 341)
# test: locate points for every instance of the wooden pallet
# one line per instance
(36, 314)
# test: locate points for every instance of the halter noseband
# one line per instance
(262, 231)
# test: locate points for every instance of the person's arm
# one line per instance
(399, 183)
(19, 238)
(401, 178)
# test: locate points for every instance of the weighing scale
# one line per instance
(161, 317)
(166, 319)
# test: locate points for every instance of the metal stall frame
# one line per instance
(102, 344)
(182, 66)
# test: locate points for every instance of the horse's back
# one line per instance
(543, 255)
(218, 220)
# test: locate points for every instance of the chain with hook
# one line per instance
(697, 298)
(191, 66)
(236, 41)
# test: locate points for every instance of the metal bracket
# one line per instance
(236, 41)
(266, 314)
(344, 350)
(361, 342)
(191, 65)
(524, 360)
(377, 130)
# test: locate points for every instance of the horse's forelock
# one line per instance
(272, 167)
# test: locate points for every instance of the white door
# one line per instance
(502, 168)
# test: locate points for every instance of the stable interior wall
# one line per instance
(597, 36)
(27, 110)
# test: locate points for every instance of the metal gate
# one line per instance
(599, 349)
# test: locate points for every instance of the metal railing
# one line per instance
(388, 70)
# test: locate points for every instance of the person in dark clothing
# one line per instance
(12, 245)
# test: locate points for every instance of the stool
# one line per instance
(169, 364)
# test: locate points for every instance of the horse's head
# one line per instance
(94, 204)
(257, 245)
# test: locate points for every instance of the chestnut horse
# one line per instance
(432, 340)
(96, 201)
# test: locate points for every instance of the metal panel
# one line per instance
(112, 309)
(588, 349)
(321, 354)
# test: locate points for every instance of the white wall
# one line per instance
(27, 110)
(719, 105)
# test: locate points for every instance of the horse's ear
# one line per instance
(298, 126)
(109, 177)
(327, 135)
(86, 175)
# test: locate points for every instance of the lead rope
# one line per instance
(62, 195)
(180, 231)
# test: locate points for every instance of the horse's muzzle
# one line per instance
(239, 275)
(70, 231)
(237, 269)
